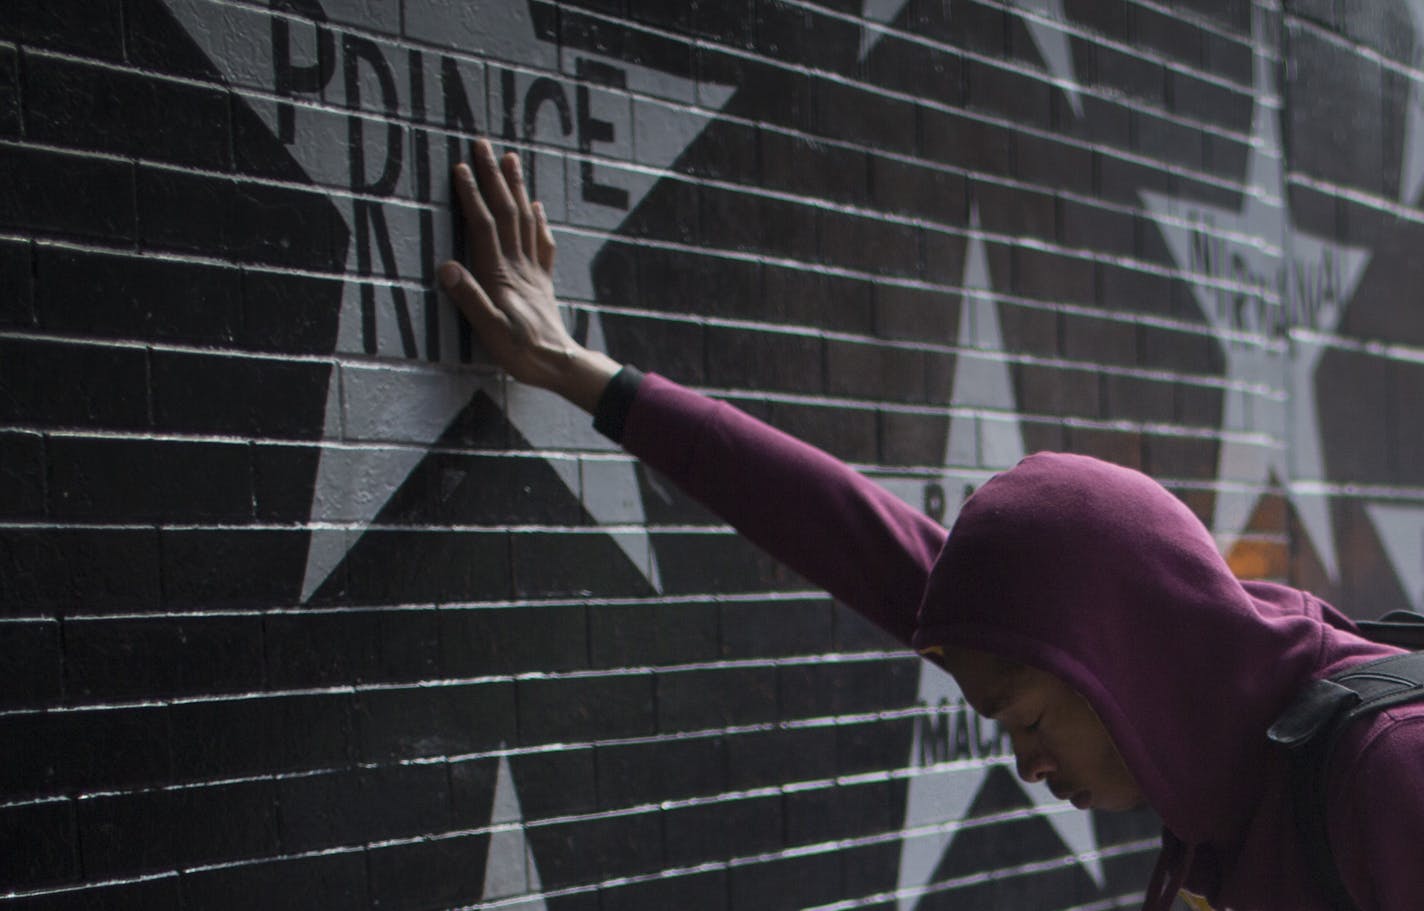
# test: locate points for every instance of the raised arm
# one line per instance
(801, 505)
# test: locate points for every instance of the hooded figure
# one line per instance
(1104, 585)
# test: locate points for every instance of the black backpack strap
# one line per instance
(1309, 729)
(1403, 628)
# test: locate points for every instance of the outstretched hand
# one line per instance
(509, 297)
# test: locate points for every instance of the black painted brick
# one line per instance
(62, 193)
(624, 635)
(362, 805)
(1120, 447)
(1054, 277)
(919, 315)
(709, 833)
(913, 438)
(1128, 73)
(419, 566)
(843, 811)
(769, 758)
(592, 850)
(638, 773)
(288, 313)
(1166, 141)
(104, 387)
(756, 628)
(672, 348)
(147, 480)
(592, 708)
(702, 891)
(159, 892)
(17, 282)
(832, 688)
(809, 167)
(305, 649)
(260, 735)
(9, 92)
(1138, 399)
(969, 143)
(712, 563)
(846, 112)
(1004, 93)
(1099, 341)
(784, 884)
(553, 564)
(906, 188)
(161, 657)
(335, 882)
(22, 475)
(1044, 389)
(47, 833)
(136, 297)
(235, 395)
(1014, 210)
(79, 570)
(1101, 230)
(725, 697)
(764, 360)
(701, 285)
(847, 433)
(88, 107)
(30, 664)
(457, 488)
(75, 26)
(247, 222)
(1048, 162)
(232, 567)
(553, 783)
(813, 298)
(405, 723)
(487, 641)
(1210, 102)
(201, 825)
(428, 874)
(58, 752)
(873, 745)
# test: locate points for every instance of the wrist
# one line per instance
(583, 376)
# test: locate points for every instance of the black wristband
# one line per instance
(615, 402)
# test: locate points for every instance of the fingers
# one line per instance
(489, 321)
(544, 238)
(483, 241)
(497, 198)
(514, 176)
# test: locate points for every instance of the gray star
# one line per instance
(1401, 528)
(984, 436)
(510, 869)
(381, 419)
(1269, 293)
(1052, 42)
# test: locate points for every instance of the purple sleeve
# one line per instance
(1378, 814)
(807, 509)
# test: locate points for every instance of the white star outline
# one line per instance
(412, 404)
(1052, 43)
(1262, 276)
(986, 435)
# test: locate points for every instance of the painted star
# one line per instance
(410, 405)
(510, 869)
(1052, 43)
(1411, 178)
(1269, 292)
(941, 792)
(1401, 528)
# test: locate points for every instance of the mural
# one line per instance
(423, 639)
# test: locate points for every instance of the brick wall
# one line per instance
(305, 607)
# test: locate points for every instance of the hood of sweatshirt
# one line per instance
(1099, 575)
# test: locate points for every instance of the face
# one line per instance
(1056, 735)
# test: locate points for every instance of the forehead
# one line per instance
(988, 682)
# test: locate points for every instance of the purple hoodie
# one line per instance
(1097, 574)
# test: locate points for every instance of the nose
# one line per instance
(1034, 764)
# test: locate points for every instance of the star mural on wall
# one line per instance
(939, 793)
(510, 868)
(1268, 292)
(1401, 528)
(1411, 178)
(1052, 43)
(411, 405)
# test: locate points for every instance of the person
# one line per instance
(1077, 603)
